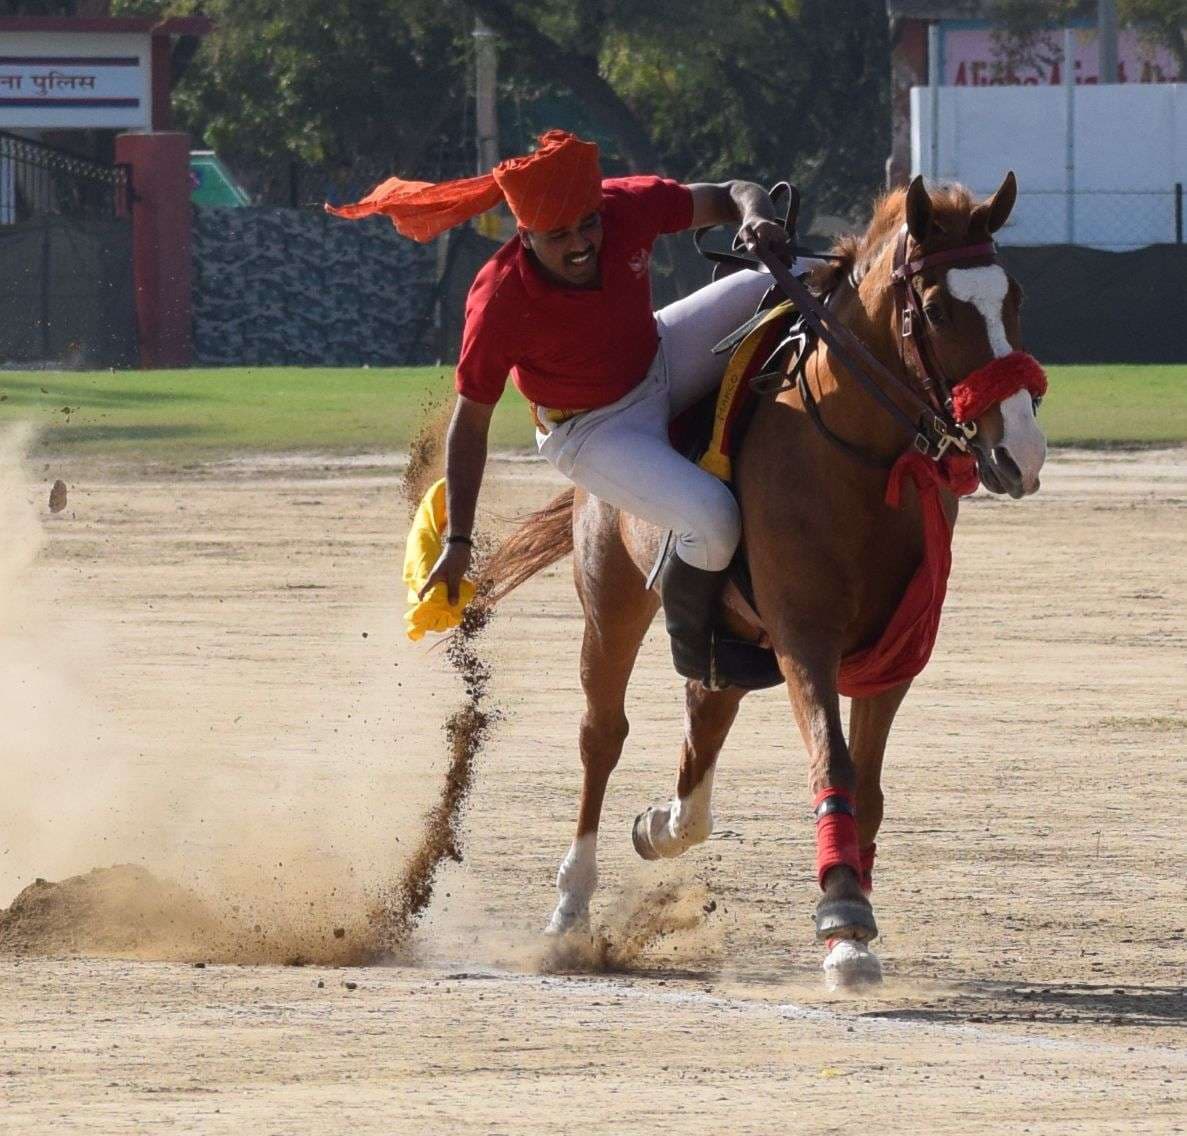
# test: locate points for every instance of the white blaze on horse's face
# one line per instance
(986, 289)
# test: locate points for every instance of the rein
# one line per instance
(933, 429)
(931, 423)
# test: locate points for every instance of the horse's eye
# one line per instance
(934, 313)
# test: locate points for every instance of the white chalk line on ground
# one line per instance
(382, 1006)
(579, 986)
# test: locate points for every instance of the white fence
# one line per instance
(1097, 165)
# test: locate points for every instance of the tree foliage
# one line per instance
(771, 89)
(359, 89)
(350, 88)
(1165, 20)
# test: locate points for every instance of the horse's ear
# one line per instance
(996, 211)
(918, 210)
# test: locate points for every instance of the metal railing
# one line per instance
(1106, 219)
(39, 181)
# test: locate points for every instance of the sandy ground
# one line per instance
(204, 672)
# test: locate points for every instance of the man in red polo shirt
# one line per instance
(564, 309)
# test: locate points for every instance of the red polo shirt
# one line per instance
(573, 348)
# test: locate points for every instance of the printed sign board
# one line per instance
(67, 80)
(973, 58)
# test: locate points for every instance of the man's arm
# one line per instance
(465, 462)
(744, 204)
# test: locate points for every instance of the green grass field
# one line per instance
(181, 416)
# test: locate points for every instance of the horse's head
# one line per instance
(970, 313)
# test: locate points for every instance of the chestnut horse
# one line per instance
(830, 559)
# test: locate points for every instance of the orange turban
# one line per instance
(557, 185)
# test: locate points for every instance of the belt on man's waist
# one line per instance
(543, 417)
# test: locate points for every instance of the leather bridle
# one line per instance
(916, 350)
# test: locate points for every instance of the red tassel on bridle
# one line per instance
(995, 382)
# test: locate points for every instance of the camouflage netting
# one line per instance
(296, 287)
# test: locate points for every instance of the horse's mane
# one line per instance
(952, 209)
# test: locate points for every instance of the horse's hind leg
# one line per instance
(663, 831)
(618, 609)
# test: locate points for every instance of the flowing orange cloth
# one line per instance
(554, 187)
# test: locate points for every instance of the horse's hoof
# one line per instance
(641, 835)
(851, 965)
(851, 918)
(566, 922)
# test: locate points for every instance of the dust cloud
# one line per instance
(289, 864)
(671, 918)
(658, 917)
(59, 768)
(400, 907)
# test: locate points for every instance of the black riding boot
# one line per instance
(690, 598)
(690, 610)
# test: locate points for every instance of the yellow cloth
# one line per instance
(434, 612)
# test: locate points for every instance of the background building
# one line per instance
(958, 40)
(1096, 238)
(94, 189)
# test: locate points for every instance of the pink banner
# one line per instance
(973, 59)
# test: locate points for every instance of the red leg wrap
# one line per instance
(836, 837)
(867, 867)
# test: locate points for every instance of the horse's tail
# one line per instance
(540, 541)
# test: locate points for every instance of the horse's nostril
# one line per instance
(1009, 476)
(1006, 464)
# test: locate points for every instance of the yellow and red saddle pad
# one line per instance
(736, 398)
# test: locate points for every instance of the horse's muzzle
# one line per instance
(1000, 473)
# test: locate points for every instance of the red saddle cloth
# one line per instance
(905, 647)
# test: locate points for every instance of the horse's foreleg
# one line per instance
(809, 659)
(849, 962)
(663, 831)
(870, 720)
(618, 610)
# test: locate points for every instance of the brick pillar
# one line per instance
(161, 265)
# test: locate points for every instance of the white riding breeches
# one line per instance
(621, 452)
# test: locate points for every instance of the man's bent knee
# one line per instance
(713, 536)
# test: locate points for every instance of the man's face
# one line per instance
(568, 255)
